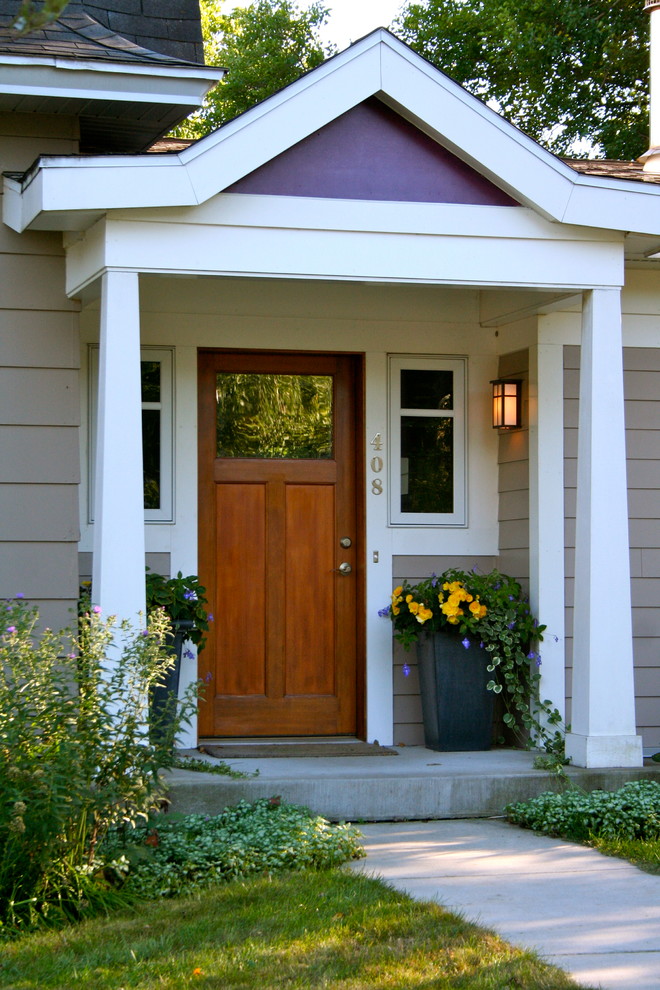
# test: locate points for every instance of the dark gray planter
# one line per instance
(457, 707)
(162, 704)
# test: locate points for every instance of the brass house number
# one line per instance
(376, 465)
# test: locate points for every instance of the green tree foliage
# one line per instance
(263, 46)
(33, 15)
(261, 415)
(566, 71)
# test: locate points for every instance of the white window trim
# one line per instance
(457, 365)
(165, 355)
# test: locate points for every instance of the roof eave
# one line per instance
(56, 78)
(377, 65)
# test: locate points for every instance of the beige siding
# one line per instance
(39, 394)
(39, 455)
(513, 459)
(642, 408)
(408, 729)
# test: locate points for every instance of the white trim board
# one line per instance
(378, 65)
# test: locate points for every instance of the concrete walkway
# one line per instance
(596, 917)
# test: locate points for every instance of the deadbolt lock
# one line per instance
(346, 542)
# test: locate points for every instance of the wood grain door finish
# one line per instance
(275, 503)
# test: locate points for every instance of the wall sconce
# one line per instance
(507, 403)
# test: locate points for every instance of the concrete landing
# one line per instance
(596, 917)
(417, 784)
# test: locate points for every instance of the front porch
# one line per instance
(416, 784)
(508, 260)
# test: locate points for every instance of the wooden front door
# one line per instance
(278, 543)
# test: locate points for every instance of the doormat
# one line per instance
(302, 750)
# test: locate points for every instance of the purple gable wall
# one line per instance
(372, 153)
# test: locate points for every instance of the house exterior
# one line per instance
(368, 249)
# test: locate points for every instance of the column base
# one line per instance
(604, 751)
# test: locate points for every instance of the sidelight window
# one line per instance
(156, 368)
(427, 430)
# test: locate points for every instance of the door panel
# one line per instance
(277, 492)
(310, 578)
(242, 509)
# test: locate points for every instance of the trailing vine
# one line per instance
(489, 612)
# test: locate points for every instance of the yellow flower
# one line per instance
(453, 619)
(413, 606)
(424, 614)
(398, 591)
(409, 599)
(451, 608)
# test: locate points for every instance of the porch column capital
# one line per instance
(118, 579)
(603, 719)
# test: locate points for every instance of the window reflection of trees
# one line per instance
(427, 444)
(274, 416)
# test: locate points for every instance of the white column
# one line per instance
(603, 719)
(118, 579)
(546, 512)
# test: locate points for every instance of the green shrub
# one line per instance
(632, 812)
(178, 855)
(75, 753)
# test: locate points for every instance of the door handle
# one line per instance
(345, 568)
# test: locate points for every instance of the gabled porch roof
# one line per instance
(71, 193)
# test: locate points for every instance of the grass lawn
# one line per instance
(645, 854)
(329, 929)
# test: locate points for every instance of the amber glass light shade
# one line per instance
(507, 404)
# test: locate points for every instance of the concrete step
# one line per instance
(416, 784)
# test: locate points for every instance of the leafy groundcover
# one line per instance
(632, 812)
(180, 854)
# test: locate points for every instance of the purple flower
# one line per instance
(189, 655)
(406, 670)
(538, 660)
(434, 580)
(145, 632)
(96, 610)
(466, 643)
(511, 625)
(384, 612)
(11, 629)
(208, 678)
(512, 598)
(481, 645)
(531, 655)
(19, 595)
(556, 639)
(210, 617)
(72, 656)
(190, 596)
